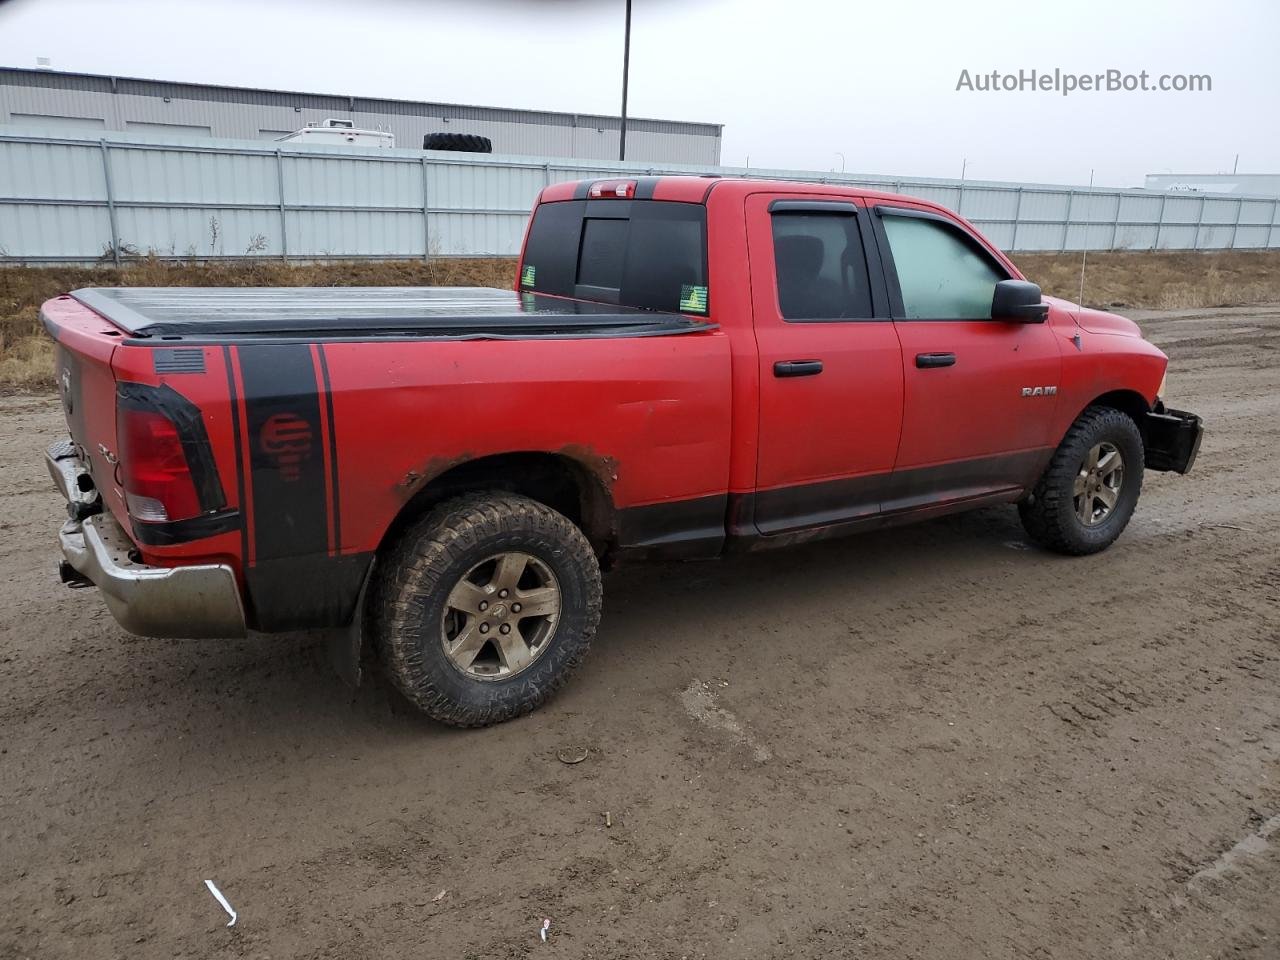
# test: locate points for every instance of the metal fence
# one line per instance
(84, 200)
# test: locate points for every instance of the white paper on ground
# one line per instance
(222, 900)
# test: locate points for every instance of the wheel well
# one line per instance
(559, 481)
(1128, 402)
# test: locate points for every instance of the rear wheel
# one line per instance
(484, 608)
(1087, 494)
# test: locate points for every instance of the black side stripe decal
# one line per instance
(286, 464)
(333, 450)
(235, 432)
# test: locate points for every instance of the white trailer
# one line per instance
(333, 132)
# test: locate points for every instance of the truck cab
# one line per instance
(889, 362)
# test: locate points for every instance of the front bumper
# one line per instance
(1172, 439)
(201, 600)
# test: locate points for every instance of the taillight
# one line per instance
(154, 472)
(601, 189)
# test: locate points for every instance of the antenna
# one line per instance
(1084, 259)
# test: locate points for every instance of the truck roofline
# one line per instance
(735, 190)
(687, 188)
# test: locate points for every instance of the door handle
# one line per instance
(797, 368)
(926, 360)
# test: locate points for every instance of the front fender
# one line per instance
(1123, 371)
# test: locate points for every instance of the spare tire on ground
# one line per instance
(461, 142)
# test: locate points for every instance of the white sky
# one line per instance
(793, 81)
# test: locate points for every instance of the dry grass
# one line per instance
(26, 364)
(1163, 281)
(1159, 281)
(26, 353)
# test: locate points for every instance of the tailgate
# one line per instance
(152, 426)
(87, 389)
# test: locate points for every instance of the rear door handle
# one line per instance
(797, 368)
(926, 360)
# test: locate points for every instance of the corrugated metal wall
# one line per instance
(63, 102)
(81, 199)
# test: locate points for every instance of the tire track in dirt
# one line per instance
(974, 750)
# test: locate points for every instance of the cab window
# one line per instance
(821, 267)
(649, 254)
(942, 274)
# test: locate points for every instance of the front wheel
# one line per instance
(1087, 494)
(483, 608)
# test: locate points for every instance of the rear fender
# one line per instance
(575, 481)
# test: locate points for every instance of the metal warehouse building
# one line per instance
(82, 102)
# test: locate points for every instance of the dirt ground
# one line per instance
(934, 742)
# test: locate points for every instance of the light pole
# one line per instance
(841, 156)
(626, 68)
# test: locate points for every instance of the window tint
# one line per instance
(941, 275)
(551, 250)
(665, 261)
(822, 272)
(639, 253)
(604, 248)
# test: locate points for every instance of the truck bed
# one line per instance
(223, 313)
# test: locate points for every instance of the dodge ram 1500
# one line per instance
(685, 367)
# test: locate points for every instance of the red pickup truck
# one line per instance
(686, 366)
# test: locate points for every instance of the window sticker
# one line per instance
(528, 275)
(693, 299)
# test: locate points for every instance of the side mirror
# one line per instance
(1018, 300)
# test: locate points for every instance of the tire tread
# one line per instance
(411, 572)
(1046, 517)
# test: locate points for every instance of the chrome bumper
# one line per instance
(201, 600)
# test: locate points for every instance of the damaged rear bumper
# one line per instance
(201, 600)
(1172, 439)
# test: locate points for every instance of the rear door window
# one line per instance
(650, 254)
(821, 267)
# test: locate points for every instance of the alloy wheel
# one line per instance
(500, 616)
(1098, 484)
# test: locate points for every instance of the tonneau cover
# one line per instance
(204, 313)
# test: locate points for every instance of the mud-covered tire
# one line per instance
(1050, 515)
(411, 595)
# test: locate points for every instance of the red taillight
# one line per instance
(625, 189)
(153, 467)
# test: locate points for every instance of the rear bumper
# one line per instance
(1172, 439)
(201, 600)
